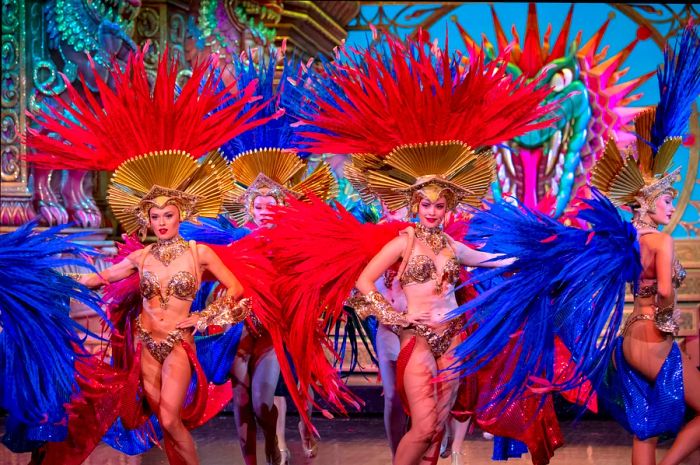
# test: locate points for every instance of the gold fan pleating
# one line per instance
(619, 179)
(625, 180)
(643, 123)
(280, 165)
(198, 186)
(355, 172)
(280, 170)
(320, 182)
(450, 164)
(664, 157)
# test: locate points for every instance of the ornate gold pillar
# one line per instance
(15, 205)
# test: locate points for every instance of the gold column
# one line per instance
(16, 202)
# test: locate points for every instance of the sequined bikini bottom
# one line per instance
(439, 342)
(158, 349)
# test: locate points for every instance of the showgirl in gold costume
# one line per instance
(152, 138)
(419, 127)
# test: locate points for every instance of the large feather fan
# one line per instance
(133, 118)
(400, 92)
(39, 342)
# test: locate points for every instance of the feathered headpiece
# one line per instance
(152, 134)
(639, 181)
(165, 178)
(265, 161)
(277, 173)
(418, 121)
(133, 118)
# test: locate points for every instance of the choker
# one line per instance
(168, 250)
(641, 224)
(432, 237)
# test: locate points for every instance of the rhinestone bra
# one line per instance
(182, 285)
(679, 275)
(421, 269)
(665, 319)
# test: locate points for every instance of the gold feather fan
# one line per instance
(449, 165)
(274, 172)
(164, 177)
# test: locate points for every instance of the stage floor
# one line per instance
(361, 441)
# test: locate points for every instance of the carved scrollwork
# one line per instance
(9, 161)
(10, 17)
(46, 78)
(148, 23)
(10, 164)
(178, 29)
(8, 127)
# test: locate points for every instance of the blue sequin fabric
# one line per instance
(506, 448)
(646, 409)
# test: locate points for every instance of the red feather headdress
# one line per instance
(401, 93)
(133, 118)
(417, 120)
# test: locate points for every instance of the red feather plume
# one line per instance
(403, 93)
(133, 118)
(319, 252)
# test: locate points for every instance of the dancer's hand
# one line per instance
(420, 317)
(189, 322)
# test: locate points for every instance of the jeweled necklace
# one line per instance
(641, 224)
(167, 250)
(432, 237)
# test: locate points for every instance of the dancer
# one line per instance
(267, 168)
(649, 376)
(581, 298)
(157, 184)
(428, 159)
(264, 177)
(170, 272)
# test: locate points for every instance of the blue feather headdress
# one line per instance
(272, 88)
(266, 160)
(679, 86)
(639, 182)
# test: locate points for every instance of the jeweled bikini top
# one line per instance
(421, 268)
(182, 285)
(650, 290)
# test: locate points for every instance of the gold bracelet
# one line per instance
(224, 310)
(666, 319)
(75, 276)
(375, 304)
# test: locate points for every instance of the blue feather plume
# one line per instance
(219, 231)
(311, 83)
(679, 86)
(39, 342)
(566, 282)
(356, 333)
(277, 133)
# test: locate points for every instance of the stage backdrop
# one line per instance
(609, 54)
(611, 50)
